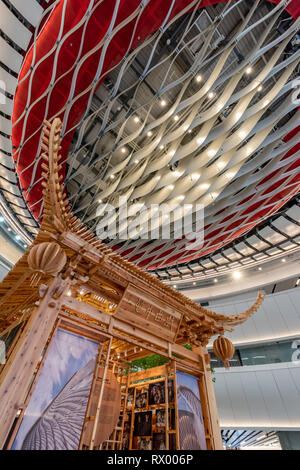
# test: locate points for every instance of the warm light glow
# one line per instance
(172, 153)
(69, 293)
(149, 133)
(176, 117)
(136, 119)
(221, 165)
(200, 140)
(260, 88)
(123, 149)
(211, 95)
(171, 186)
(189, 131)
(249, 70)
(161, 147)
(211, 152)
(174, 286)
(242, 134)
(136, 161)
(236, 275)
(163, 103)
(181, 197)
(112, 177)
(283, 260)
(100, 201)
(198, 78)
(205, 186)
(215, 280)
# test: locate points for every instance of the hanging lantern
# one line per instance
(224, 350)
(46, 258)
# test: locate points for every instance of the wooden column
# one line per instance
(19, 369)
(208, 401)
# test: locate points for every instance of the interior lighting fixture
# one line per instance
(211, 95)
(171, 186)
(198, 78)
(136, 161)
(1, 218)
(161, 147)
(163, 102)
(123, 149)
(220, 165)
(112, 177)
(176, 117)
(149, 134)
(283, 260)
(260, 88)
(215, 280)
(100, 201)
(236, 275)
(249, 70)
(211, 152)
(136, 119)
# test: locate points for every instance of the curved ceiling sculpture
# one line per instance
(222, 134)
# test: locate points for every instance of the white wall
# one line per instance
(278, 317)
(259, 397)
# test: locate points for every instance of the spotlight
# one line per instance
(236, 275)
(283, 260)
(69, 293)
(211, 153)
(100, 201)
(249, 70)
(198, 78)
(260, 268)
(163, 103)
(123, 149)
(136, 119)
(149, 134)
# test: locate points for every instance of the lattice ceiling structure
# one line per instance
(176, 102)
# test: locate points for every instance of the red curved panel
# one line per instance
(32, 95)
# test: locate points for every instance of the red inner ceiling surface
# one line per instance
(50, 105)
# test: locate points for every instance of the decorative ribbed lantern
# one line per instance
(46, 258)
(224, 350)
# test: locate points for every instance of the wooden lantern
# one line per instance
(223, 349)
(46, 258)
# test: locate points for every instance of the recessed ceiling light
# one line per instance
(236, 275)
(136, 119)
(176, 117)
(211, 152)
(260, 88)
(211, 95)
(136, 161)
(1, 219)
(283, 260)
(221, 165)
(260, 268)
(9, 229)
(149, 134)
(100, 200)
(249, 70)
(198, 78)
(69, 293)
(181, 197)
(194, 283)
(161, 147)
(112, 177)
(189, 131)
(123, 149)
(215, 280)
(163, 102)
(171, 186)
(174, 286)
